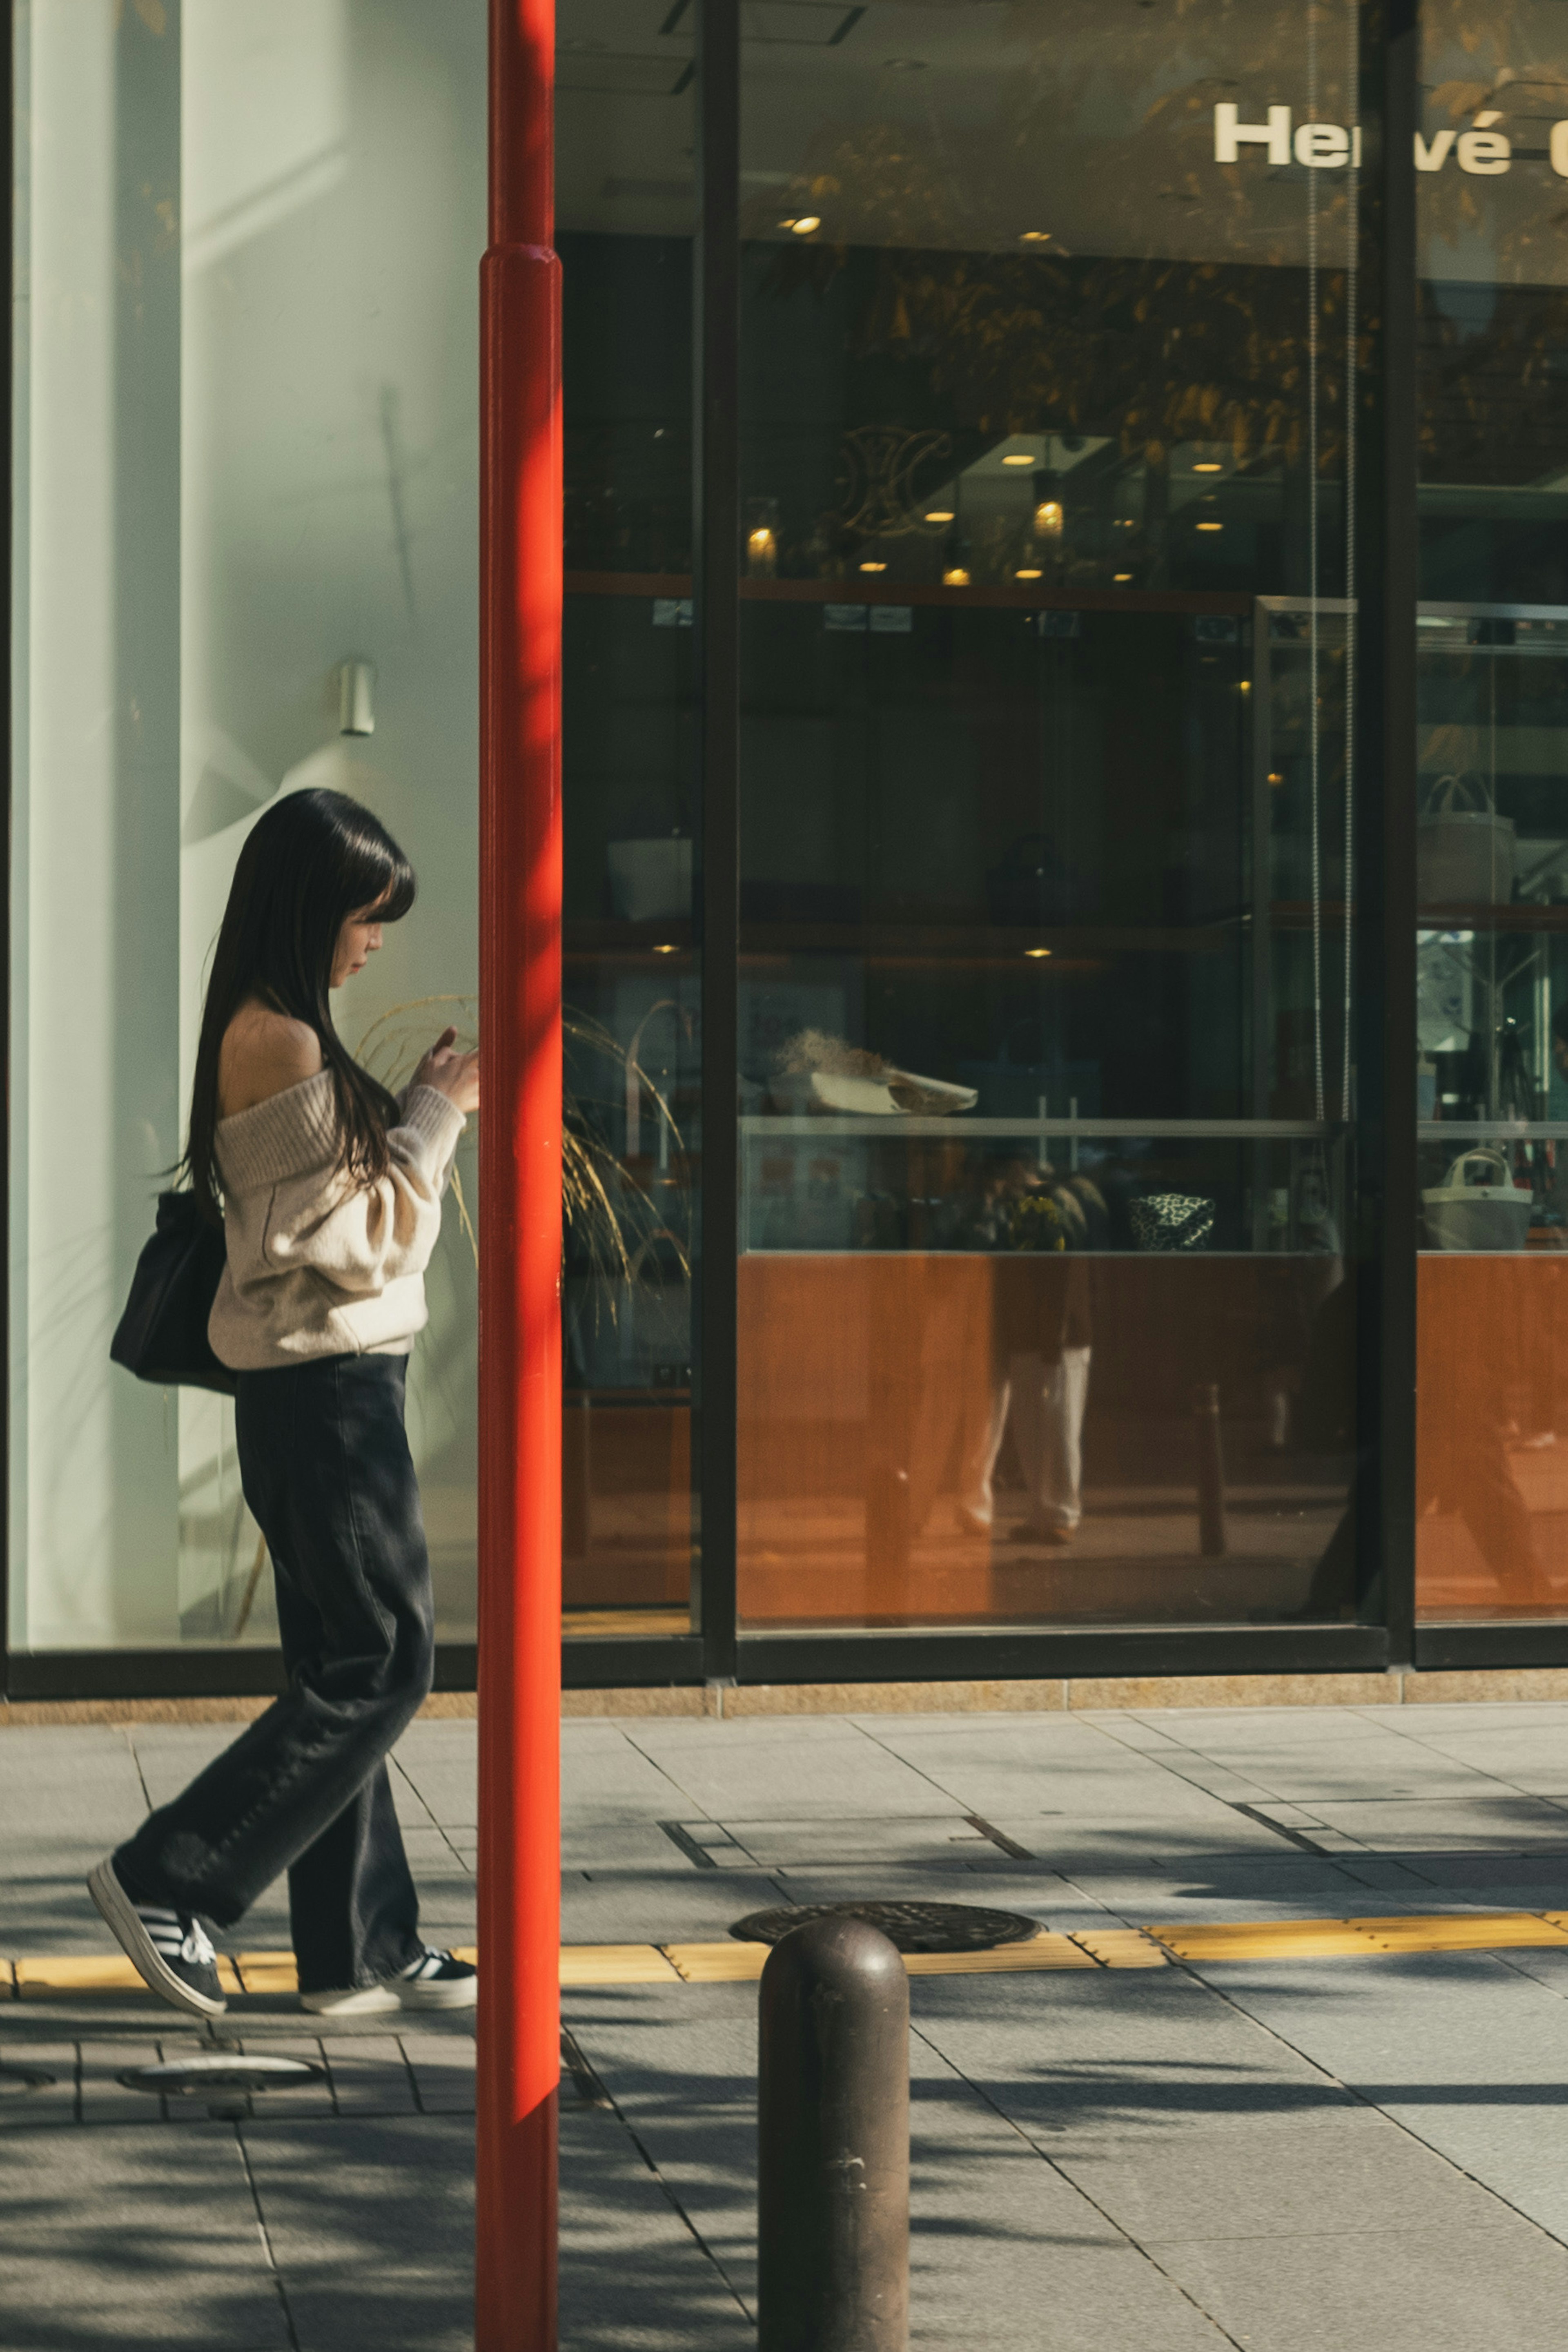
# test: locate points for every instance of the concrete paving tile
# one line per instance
(1307, 1780)
(427, 1847)
(372, 2227)
(1093, 2299)
(1140, 1841)
(1544, 1966)
(449, 1791)
(44, 1906)
(1535, 1762)
(98, 1814)
(311, 2100)
(49, 2103)
(1075, 2059)
(1005, 2253)
(1469, 2054)
(941, 1725)
(414, 1814)
(621, 1787)
(1035, 1895)
(1353, 2170)
(658, 1737)
(1214, 1729)
(1497, 1820)
(369, 2074)
(632, 2273)
(1416, 2291)
(442, 2065)
(1522, 1882)
(673, 1905)
(1226, 1887)
(104, 2099)
(126, 2235)
(871, 1841)
(640, 1846)
(170, 1763)
(817, 1785)
(1114, 1783)
(1473, 1713)
(681, 2064)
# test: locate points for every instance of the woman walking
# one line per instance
(329, 1189)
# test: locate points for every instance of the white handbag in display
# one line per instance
(1464, 850)
(1490, 1215)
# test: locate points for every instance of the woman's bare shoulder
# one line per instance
(264, 1053)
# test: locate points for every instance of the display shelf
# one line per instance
(898, 1125)
(1477, 1130)
(998, 596)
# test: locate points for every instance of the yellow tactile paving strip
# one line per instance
(728, 1962)
(1323, 1939)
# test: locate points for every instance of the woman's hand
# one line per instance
(455, 1076)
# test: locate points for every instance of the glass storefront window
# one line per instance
(1050, 373)
(625, 189)
(1062, 1174)
(246, 459)
(1491, 856)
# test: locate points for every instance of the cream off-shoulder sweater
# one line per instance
(321, 1262)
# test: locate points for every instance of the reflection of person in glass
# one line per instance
(1040, 1342)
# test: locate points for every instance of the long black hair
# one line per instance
(315, 858)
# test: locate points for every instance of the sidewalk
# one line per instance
(1285, 2154)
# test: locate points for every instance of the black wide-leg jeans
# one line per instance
(328, 1474)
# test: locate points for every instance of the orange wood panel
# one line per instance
(626, 1479)
(1491, 1524)
(865, 1383)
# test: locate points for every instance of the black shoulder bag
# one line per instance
(163, 1334)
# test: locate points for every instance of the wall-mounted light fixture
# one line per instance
(355, 705)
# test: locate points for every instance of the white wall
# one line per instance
(319, 423)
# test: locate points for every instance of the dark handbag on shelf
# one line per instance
(163, 1334)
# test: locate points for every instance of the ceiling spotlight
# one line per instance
(805, 224)
(1027, 572)
(955, 576)
(1211, 526)
(1035, 953)
(940, 514)
(1017, 457)
(667, 947)
(1209, 466)
(1121, 577)
(1034, 236)
(873, 567)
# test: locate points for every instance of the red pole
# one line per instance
(520, 1201)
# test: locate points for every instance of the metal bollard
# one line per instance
(1211, 1535)
(832, 2205)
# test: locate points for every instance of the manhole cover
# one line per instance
(14, 2080)
(184, 2078)
(912, 1927)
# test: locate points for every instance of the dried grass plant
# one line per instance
(604, 1207)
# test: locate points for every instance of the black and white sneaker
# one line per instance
(436, 1981)
(169, 1950)
(433, 1980)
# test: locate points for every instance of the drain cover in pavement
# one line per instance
(13, 2080)
(912, 1927)
(178, 2078)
